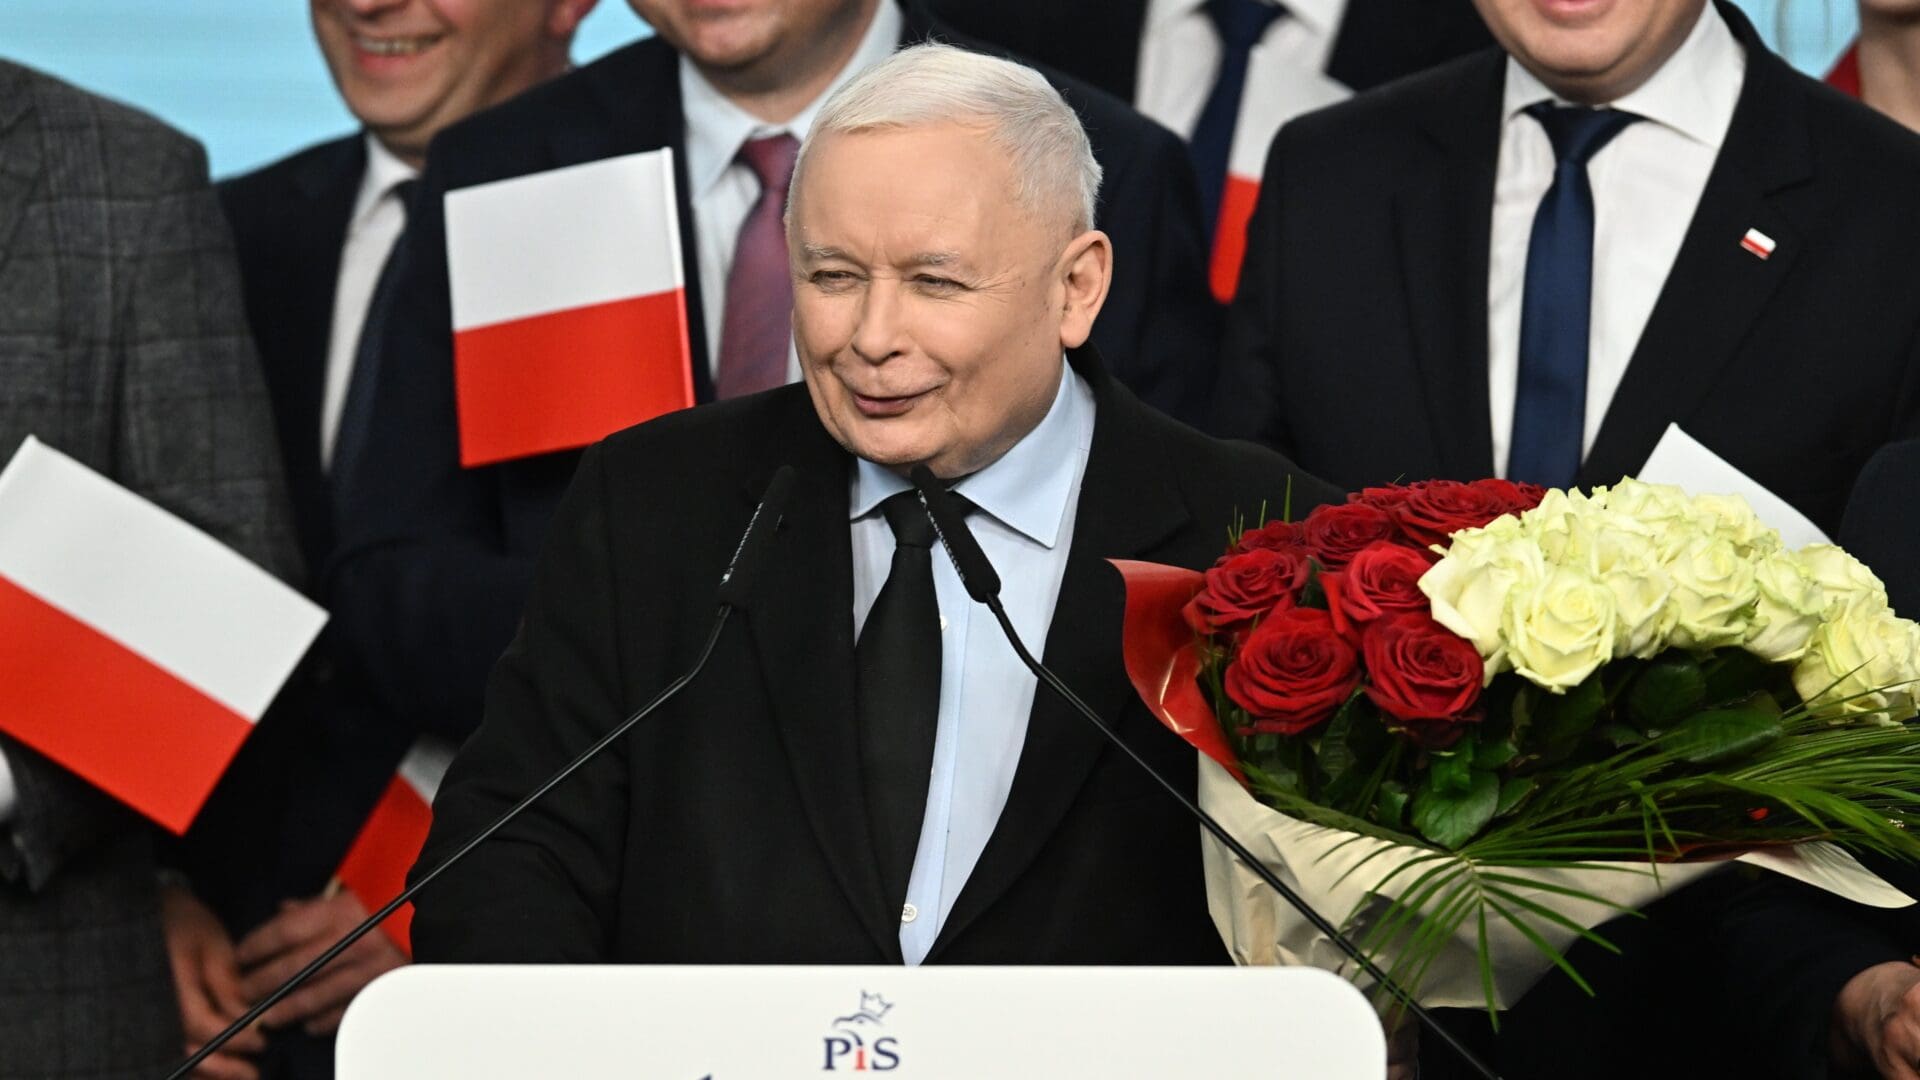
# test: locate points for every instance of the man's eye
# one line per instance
(936, 283)
(832, 279)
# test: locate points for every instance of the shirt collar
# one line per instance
(1030, 487)
(1694, 92)
(1320, 16)
(383, 174)
(717, 128)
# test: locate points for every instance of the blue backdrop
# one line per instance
(245, 77)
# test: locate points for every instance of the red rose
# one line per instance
(1517, 496)
(1293, 672)
(1421, 672)
(1274, 535)
(1386, 498)
(1384, 579)
(1241, 588)
(1437, 509)
(1335, 534)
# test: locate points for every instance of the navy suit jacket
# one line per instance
(436, 559)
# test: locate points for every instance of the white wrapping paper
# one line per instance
(1260, 928)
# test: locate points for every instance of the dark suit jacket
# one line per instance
(1358, 340)
(1882, 524)
(436, 558)
(1099, 40)
(122, 344)
(730, 827)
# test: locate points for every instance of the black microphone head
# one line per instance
(736, 585)
(976, 573)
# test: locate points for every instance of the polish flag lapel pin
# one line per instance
(1758, 244)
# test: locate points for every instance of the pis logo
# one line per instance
(850, 1050)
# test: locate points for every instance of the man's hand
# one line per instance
(206, 979)
(1876, 1021)
(1403, 1047)
(304, 929)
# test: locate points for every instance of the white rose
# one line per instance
(1561, 630)
(1791, 608)
(1643, 610)
(1713, 595)
(1862, 661)
(1468, 587)
(1651, 503)
(1728, 517)
(1846, 580)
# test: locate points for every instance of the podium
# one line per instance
(919, 1023)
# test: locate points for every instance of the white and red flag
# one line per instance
(1277, 91)
(135, 650)
(569, 306)
(375, 867)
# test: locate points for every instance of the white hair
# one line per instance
(1053, 165)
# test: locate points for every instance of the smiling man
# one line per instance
(314, 234)
(865, 773)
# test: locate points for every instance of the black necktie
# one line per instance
(356, 412)
(1550, 406)
(1240, 23)
(897, 664)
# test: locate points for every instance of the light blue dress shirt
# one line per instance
(1027, 501)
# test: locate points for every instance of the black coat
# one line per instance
(1099, 40)
(1358, 341)
(436, 558)
(731, 826)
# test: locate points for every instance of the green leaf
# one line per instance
(1733, 674)
(1452, 770)
(1393, 804)
(1492, 755)
(1512, 792)
(1619, 736)
(1670, 689)
(1720, 735)
(1451, 820)
(1565, 719)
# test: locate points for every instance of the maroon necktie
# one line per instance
(757, 329)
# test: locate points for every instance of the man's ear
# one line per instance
(1086, 272)
(566, 17)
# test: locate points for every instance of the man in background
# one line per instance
(316, 233)
(122, 345)
(436, 559)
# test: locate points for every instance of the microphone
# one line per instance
(735, 591)
(983, 585)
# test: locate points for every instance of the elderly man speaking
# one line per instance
(864, 772)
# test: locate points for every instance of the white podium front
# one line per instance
(922, 1023)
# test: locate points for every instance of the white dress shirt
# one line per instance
(723, 190)
(9, 796)
(377, 220)
(1646, 183)
(1180, 54)
(1027, 501)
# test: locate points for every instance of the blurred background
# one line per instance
(245, 77)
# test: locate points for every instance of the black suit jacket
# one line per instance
(731, 826)
(436, 558)
(1882, 525)
(1099, 40)
(1358, 341)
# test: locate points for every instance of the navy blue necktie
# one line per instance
(1550, 409)
(1240, 24)
(356, 413)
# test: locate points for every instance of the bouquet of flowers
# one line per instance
(1476, 720)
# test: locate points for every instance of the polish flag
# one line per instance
(569, 306)
(1277, 91)
(135, 650)
(375, 867)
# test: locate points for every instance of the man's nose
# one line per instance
(881, 332)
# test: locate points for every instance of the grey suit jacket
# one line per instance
(123, 344)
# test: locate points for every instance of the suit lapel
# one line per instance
(1716, 289)
(326, 187)
(638, 92)
(20, 161)
(1129, 502)
(1443, 218)
(805, 646)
